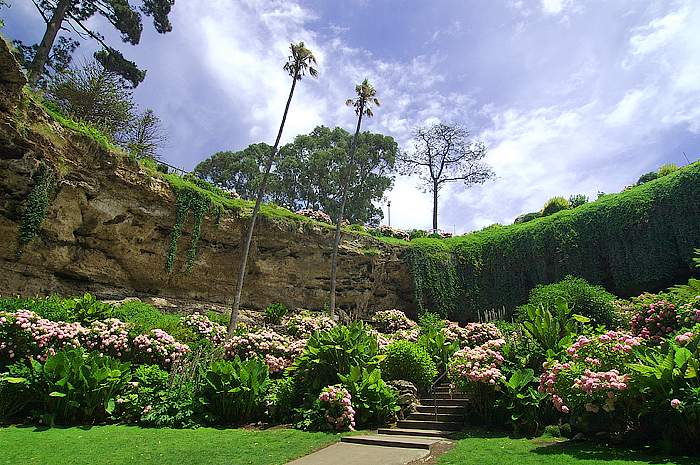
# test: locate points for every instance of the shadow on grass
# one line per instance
(590, 450)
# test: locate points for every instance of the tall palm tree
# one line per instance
(365, 99)
(299, 62)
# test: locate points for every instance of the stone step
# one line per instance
(433, 433)
(450, 409)
(433, 425)
(393, 440)
(424, 416)
(444, 402)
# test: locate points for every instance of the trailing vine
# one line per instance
(199, 203)
(35, 209)
(630, 242)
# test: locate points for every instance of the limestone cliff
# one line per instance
(109, 223)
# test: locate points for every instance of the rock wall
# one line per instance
(109, 224)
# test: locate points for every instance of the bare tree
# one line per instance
(445, 154)
(298, 63)
(366, 97)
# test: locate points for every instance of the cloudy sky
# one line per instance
(569, 96)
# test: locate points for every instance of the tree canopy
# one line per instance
(445, 154)
(73, 15)
(309, 172)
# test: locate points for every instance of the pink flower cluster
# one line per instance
(159, 347)
(203, 326)
(594, 377)
(315, 215)
(278, 351)
(111, 337)
(339, 412)
(473, 334)
(391, 321)
(476, 365)
(303, 325)
(655, 320)
(388, 231)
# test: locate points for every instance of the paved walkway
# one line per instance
(342, 453)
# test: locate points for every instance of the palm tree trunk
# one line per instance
(249, 236)
(42, 53)
(336, 242)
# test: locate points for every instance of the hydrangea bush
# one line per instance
(473, 334)
(277, 350)
(337, 403)
(315, 215)
(659, 315)
(391, 321)
(205, 328)
(303, 325)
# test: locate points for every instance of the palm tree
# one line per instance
(299, 62)
(365, 99)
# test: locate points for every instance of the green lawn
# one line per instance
(482, 448)
(131, 445)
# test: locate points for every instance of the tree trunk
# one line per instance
(249, 236)
(435, 205)
(42, 53)
(336, 242)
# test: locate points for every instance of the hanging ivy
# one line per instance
(199, 203)
(35, 208)
(630, 242)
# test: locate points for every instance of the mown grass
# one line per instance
(118, 444)
(480, 447)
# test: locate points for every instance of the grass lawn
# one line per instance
(483, 448)
(131, 444)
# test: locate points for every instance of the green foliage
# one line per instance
(578, 200)
(439, 348)
(80, 126)
(550, 329)
(16, 390)
(555, 204)
(35, 208)
(88, 309)
(281, 398)
(199, 203)
(53, 308)
(374, 402)
(667, 169)
(523, 400)
(78, 388)
(408, 361)
(593, 302)
(625, 242)
(429, 320)
(233, 391)
(417, 233)
(334, 352)
(275, 312)
(646, 177)
(144, 318)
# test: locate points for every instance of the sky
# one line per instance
(569, 96)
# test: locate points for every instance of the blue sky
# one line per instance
(569, 96)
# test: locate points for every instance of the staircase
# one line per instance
(424, 427)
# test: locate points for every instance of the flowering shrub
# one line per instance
(278, 351)
(158, 347)
(206, 328)
(660, 315)
(337, 402)
(596, 375)
(24, 334)
(388, 231)
(304, 325)
(473, 334)
(391, 321)
(110, 337)
(315, 215)
(475, 371)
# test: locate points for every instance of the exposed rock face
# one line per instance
(109, 224)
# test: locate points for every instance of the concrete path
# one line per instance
(343, 453)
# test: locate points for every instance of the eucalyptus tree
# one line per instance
(298, 63)
(366, 97)
(445, 154)
(74, 14)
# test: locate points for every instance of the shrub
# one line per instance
(660, 315)
(280, 399)
(524, 218)
(431, 320)
(334, 352)
(278, 351)
(578, 200)
(555, 204)
(391, 321)
(275, 312)
(302, 326)
(337, 402)
(585, 299)
(473, 334)
(417, 233)
(315, 215)
(144, 317)
(233, 390)
(668, 168)
(408, 361)
(647, 177)
(52, 308)
(205, 328)
(373, 400)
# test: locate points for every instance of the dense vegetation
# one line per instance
(639, 239)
